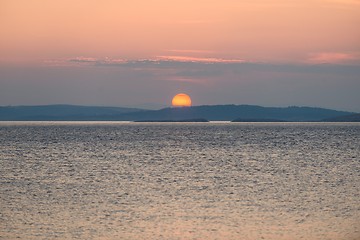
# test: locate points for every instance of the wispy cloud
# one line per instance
(332, 58)
(90, 60)
(187, 80)
(199, 59)
(157, 60)
(83, 60)
(186, 62)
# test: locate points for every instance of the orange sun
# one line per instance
(181, 100)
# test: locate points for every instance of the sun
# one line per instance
(181, 100)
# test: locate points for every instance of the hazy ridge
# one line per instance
(209, 112)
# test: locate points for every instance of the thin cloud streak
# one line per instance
(165, 61)
(90, 61)
(333, 58)
(188, 80)
(199, 59)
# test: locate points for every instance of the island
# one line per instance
(183, 120)
(346, 118)
(257, 120)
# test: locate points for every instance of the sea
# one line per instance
(217, 180)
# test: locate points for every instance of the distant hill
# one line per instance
(346, 118)
(231, 112)
(211, 113)
(60, 112)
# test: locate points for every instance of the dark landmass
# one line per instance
(347, 118)
(257, 120)
(61, 112)
(211, 113)
(231, 112)
(183, 120)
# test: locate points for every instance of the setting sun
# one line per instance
(181, 100)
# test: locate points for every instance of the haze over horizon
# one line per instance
(142, 53)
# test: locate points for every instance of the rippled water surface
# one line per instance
(76, 180)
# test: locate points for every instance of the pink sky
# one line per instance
(271, 30)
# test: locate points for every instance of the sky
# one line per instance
(140, 53)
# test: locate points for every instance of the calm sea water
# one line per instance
(108, 180)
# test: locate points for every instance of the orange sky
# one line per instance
(251, 30)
